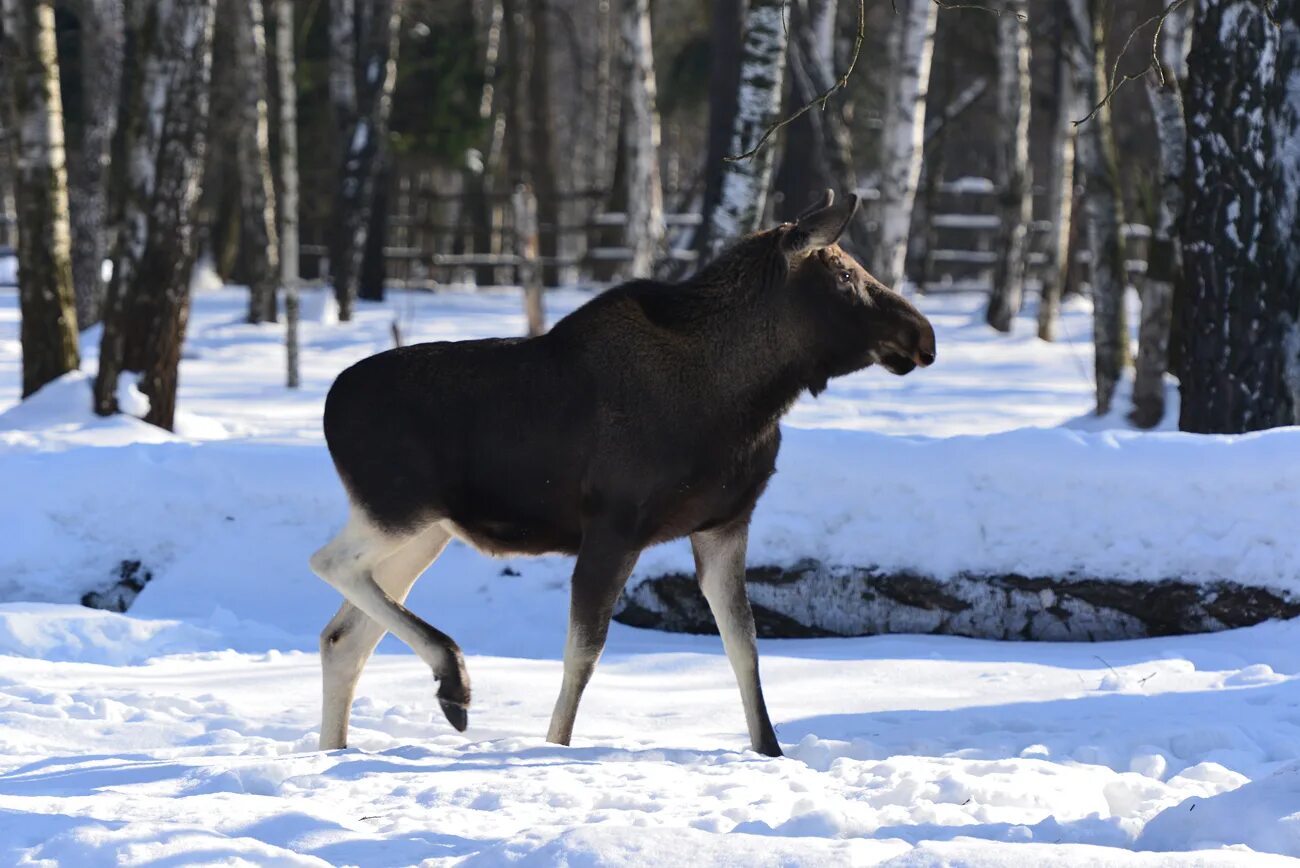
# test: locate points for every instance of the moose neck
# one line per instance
(762, 338)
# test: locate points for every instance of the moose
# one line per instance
(648, 414)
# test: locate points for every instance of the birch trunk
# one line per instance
(256, 190)
(160, 142)
(645, 204)
(362, 96)
(1240, 362)
(101, 76)
(45, 295)
(1164, 262)
(1103, 205)
(288, 93)
(1013, 179)
(1059, 182)
(910, 48)
(742, 198)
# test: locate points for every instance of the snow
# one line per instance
(185, 731)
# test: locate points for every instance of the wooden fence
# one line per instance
(433, 241)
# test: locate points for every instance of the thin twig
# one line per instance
(948, 5)
(819, 100)
(1116, 83)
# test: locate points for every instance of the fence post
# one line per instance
(524, 204)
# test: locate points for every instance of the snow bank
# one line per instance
(226, 528)
(1263, 815)
(1115, 505)
(75, 634)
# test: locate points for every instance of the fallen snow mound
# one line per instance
(225, 528)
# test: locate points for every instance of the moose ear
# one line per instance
(818, 203)
(820, 226)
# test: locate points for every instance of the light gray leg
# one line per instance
(598, 578)
(720, 565)
(350, 638)
(350, 563)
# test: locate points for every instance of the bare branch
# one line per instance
(949, 5)
(842, 82)
(1153, 64)
(820, 100)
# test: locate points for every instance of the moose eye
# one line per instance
(846, 278)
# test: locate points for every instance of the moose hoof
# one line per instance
(771, 749)
(457, 714)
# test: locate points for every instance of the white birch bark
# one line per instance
(288, 93)
(49, 322)
(910, 48)
(1103, 206)
(1164, 262)
(163, 128)
(645, 204)
(1013, 180)
(745, 183)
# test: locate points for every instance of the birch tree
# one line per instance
(645, 203)
(1164, 262)
(1240, 360)
(1059, 182)
(256, 190)
(161, 137)
(1013, 180)
(35, 115)
(363, 71)
(288, 100)
(910, 47)
(1103, 205)
(745, 182)
(101, 76)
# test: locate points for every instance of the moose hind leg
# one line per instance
(598, 577)
(349, 563)
(720, 564)
(350, 638)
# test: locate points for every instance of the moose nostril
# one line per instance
(925, 357)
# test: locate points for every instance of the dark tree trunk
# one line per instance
(726, 29)
(35, 116)
(1059, 182)
(261, 255)
(166, 76)
(101, 75)
(370, 284)
(1240, 360)
(373, 37)
(541, 140)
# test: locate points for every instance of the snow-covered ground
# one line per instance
(185, 732)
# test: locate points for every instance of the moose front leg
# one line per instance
(720, 565)
(604, 563)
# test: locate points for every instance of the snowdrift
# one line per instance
(222, 530)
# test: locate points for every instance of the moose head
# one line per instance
(856, 320)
